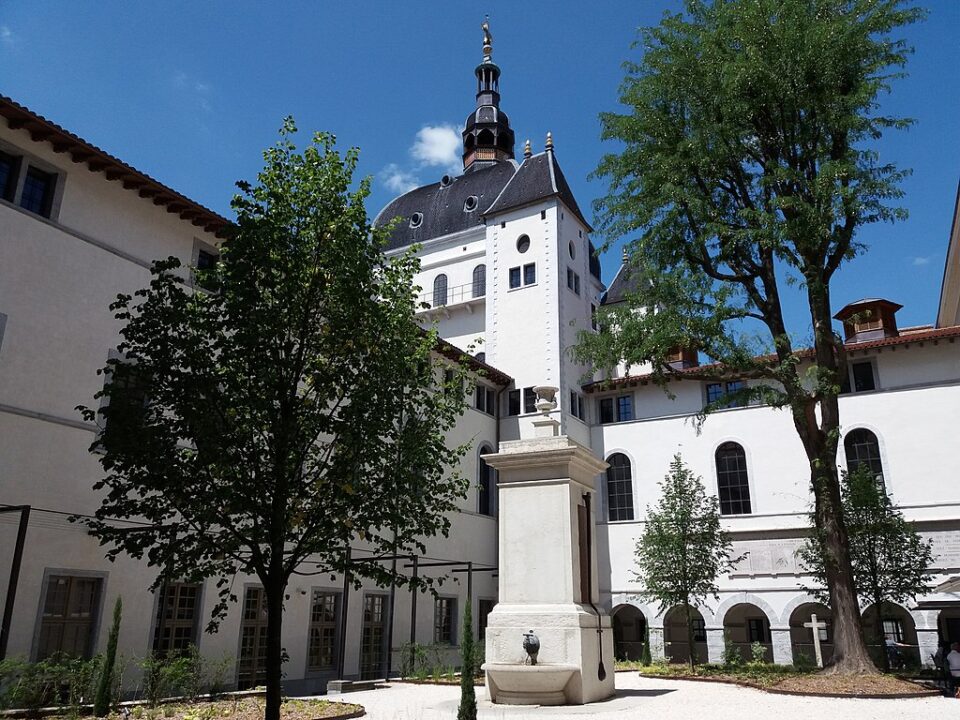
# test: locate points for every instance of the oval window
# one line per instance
(523, 243)
(572, 250)
(470, 204)
(416, 219)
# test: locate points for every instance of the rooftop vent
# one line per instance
(445, 181)
(416, 219)
(869, 319)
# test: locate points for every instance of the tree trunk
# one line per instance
(274, 663)
(820, 437)
(690, 651)
(878, 629)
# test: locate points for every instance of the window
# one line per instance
(523, 243)
(593, 317)
(482, 357)
(486, 400)
(207, 260)
(529, 400)
(444, 612)
(624, 408)
(581, 409)
(732, 482)
(862, 448)
(529, 274)
(543, 214)
(863, 378)
(251, 668)
(699, 628)
(373, 636)
(8, 174)
(756, 630)
(178, 613)
(619, 488)
(487, 485)
(484, 608)
(71, 607)
(717, 391)
(573, 281)
(37, 193)
(470, 204)
(893, 629)
(606, 410)
(127, 403)
(440, 290)
(3, 326)
(513, 402)
(416, 220)
(321, 647)
(571, 249)
(480, 281)
(514, 278)
(450, 384)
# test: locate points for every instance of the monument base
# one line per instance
(568, 667)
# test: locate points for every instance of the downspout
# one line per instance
(601, 671)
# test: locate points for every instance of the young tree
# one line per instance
(682, 549)
(467, 710)
(104, 693)
(262, 428)
(890, 560)
(747, 162)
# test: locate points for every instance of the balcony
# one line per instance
(458, 297)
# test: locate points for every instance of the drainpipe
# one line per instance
(601, 671)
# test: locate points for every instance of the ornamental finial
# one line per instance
(549, 145)
(487, 40)
(527, 152)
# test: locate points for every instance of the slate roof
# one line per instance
(623, 284)
(538, 177)
(442, 206)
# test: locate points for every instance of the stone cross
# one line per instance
(816, 627)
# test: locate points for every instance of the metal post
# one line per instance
(413, 614)
(14, 577)
(344, 604)
(393, 597)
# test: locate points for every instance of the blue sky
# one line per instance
(190, 92)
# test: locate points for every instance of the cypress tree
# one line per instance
(468, 696)
(101, 701)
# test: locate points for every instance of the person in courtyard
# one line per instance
(952, 662)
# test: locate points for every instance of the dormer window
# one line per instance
(470, 204)
(416, 220)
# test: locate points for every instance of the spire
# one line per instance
(487, 136)
(527, 152)
(549, 146)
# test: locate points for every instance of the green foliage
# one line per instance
(890, 559)
(467, 710)
(758, 653)
(105, 685)
(803, 662)
(290, 413)
(732, 657)
(58, 680)
(182, 675)
(682, 549)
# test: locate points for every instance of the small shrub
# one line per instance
(758, 652)
(645, 651)
(732, 658)
(216, 672)
(804, 663)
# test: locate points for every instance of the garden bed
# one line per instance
(787, 680)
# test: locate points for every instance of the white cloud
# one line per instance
(917, 261)
(199, 89)
(437, 146)
(397, 179)
(6, 35)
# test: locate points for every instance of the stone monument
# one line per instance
(547, 573)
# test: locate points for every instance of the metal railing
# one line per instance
(454, 295)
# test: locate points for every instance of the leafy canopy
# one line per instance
(264, 427)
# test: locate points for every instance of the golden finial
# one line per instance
(487, 39)
(549, 145)
(527, 152)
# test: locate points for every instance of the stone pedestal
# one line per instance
(927, 640)
(548, 578)
(715, 645)
(782, 645)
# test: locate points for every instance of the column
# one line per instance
(715, 644)
(927, 639)
(657, 648)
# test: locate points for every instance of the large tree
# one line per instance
(264, 427)
(683, 549)
(747, 163)
(891, 561)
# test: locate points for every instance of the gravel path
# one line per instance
(654, 700)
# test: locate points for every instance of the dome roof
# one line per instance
(442, 208)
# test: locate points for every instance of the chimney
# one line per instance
(869, 319)
(682, 357)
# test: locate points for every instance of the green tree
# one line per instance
(890, 560)
(467, 710)
(747, 162)
(263, 428)
(104, 694)
(682, 549)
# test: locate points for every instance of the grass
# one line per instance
(761, 675)
(243, 708)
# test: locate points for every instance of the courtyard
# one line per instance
(643, 697)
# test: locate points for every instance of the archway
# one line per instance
(898, 633)
(676, 647)
(629, 630)
(745, 624)
(801, 638)
(948, 625)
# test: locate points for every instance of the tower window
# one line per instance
(543, 214)
(440, 290)
(416, 220)
(529, 400)
(733, 485)
(523, 243)
(572, 250)
(513, 402)
(479, 281)
(863, 448)
(529, 274)
(470, 204)
(514, 278)
(619, 488)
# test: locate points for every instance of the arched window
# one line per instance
(481, 356)
(732, 482)
(862, 448)
(619, 488)
(487, 485)
(440, 290)
(480, 281)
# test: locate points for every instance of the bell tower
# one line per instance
(487, 136)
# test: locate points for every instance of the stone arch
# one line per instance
(795, 602)
(801, 638)
(898, 626)
(746, 598)
(676, 646)
(629, 631)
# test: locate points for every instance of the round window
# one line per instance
(445, 180)
(416, 219)
(572, 250)
(523, 243)
(470, 204)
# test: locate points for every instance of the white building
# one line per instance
(508, 268)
